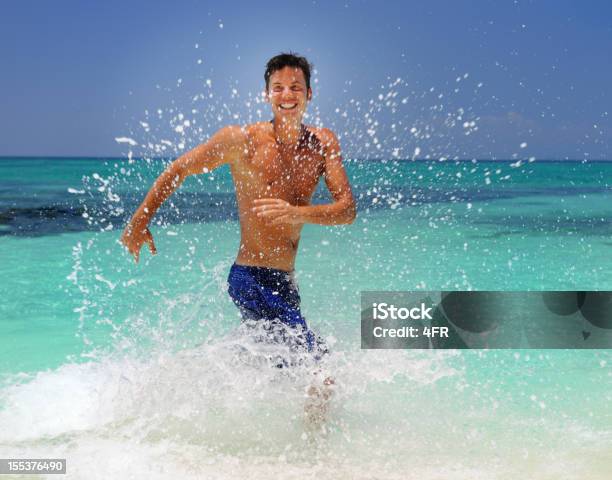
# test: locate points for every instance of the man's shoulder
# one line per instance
(254, 130)
(323, 134)
(230, 135)
(322, 138)
(242, 139)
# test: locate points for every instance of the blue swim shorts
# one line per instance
(269, 298)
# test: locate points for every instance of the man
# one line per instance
(275, 167)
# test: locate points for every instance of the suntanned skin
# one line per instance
(275, 167)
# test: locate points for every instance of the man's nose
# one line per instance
(286, 92)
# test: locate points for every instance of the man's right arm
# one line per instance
(225, 146)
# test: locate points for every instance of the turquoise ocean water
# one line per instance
(135, 371)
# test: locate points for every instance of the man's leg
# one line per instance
(318, 397)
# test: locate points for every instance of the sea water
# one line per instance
(137, 370)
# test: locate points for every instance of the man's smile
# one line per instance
(288, 106)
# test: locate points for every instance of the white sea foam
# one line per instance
(220, 410)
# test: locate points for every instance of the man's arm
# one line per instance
(225, 146)
(341, 210)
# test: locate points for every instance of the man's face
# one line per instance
(287, 93)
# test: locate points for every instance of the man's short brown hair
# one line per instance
(289, 59)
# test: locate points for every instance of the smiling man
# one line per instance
(275, 167)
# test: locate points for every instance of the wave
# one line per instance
(221, 409)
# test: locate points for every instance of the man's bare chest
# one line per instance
(295, 172)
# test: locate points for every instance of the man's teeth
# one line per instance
(288, 106)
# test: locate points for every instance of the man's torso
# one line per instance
(270, 170)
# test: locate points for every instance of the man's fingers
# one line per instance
(149, 240)
(271, 213)
(134, 249)
(151, 245)
(260, 202)
(269, 209)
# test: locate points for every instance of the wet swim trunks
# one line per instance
(269, 298)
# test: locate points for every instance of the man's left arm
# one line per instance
(341, 211)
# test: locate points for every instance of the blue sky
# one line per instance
(75, 74)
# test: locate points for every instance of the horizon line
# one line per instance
(349, 159)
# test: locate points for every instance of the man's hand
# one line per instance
(134, 236)
(277, 211)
